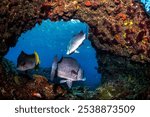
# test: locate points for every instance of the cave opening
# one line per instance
(51, 38)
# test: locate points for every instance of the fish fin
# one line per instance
(67, 53)
(36, 67)
(69, 83)
(85, 37)
(84, 79)
(76, 51)
(61, 59)
(37, 59)
(81, 32)
(63, 81)
(54, 67)
(22, 54)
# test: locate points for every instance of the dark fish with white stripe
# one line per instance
(68, 69)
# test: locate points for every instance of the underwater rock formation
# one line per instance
(16, 16)
(122, 78)
(120, 27)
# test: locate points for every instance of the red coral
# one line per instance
(122, 16)
(88, 3)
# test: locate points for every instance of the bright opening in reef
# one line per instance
(146, 4)
(52, 38)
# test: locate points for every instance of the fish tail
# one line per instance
(37, 59)
(69, 83)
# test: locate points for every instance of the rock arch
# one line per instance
(117, 26)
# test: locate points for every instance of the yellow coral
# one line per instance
(124, 35)
(130, 23)
(125, 23)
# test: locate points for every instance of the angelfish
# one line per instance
(68, 69)
(75, 42)
(28, 61)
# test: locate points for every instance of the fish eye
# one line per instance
(74, 72)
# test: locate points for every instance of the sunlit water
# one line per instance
(52, 38)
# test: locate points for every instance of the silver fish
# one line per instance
(68, 69)
(75, 42)
(26, 61)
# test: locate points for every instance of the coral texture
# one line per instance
(122, 78)
(16, 16)
(118, 26)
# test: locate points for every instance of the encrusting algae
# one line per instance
(106, 18)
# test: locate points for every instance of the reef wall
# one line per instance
(119, 26)
(122, 78)
(16, 16)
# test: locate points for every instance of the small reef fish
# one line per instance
(26, 61)
(75, 42)
(68, 69)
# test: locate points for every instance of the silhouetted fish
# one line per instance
(26, 61)
(75, 42)
(68, 69)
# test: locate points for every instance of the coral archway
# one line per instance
(118, 26)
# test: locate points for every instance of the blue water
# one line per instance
(50, 39)
(146, 4)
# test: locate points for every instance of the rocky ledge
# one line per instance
(118, 26)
